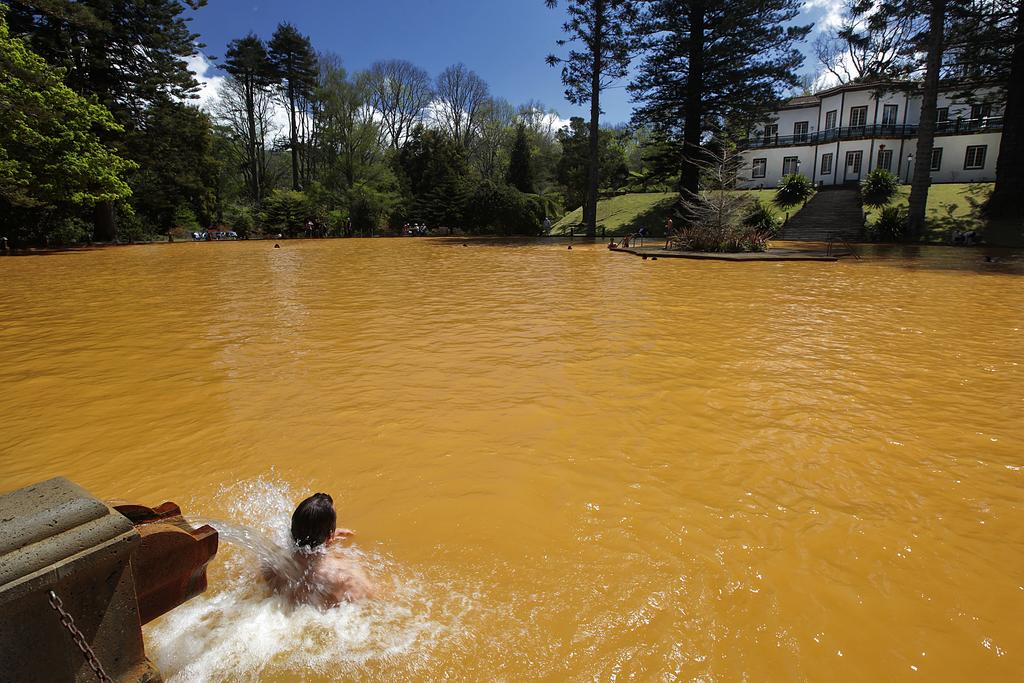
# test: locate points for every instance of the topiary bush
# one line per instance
(762, 218)
(793, 189)
(879, 187)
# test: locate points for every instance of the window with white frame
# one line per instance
(884, 159)
(889, 114)
(974, 158)
(800, 131)
(758, 168)
(936, 158)
(858, 116)
(771, 131)
(830, 120)
(790, 165)
(826, 164)
(942, 114)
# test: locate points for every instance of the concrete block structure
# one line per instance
(840, 135)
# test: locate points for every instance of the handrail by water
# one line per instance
(842, 238)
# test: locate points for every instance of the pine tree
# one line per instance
(986, 43)
(177, 140)
(602, 29)
(295, 68)
(520, 171)
(709, 63)
(247, 61)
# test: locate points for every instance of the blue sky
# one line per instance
(504, 41)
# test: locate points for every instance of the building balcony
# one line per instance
(958, 127)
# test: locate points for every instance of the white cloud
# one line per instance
(832, 13)
(555, 121)
(209, 83)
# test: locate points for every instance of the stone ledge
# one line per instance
(770, 255)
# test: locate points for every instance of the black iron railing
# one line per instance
(956, 127)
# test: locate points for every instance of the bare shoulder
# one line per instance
(347, 580)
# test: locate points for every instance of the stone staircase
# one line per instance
(831, 212)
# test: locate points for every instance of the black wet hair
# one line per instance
(314, 521)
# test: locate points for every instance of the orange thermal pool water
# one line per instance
(561, 465)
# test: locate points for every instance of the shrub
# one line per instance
(879, 187)
(131, 227)
(890, 226)
(70, 230)
(793, 189)
(715, 219)
(286, 210)
(241, 219)
(762, 218)
(185, 218)
(503, 208)
(739, 239)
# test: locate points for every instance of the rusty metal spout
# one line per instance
(170, 565)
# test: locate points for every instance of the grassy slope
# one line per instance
(955, 206)
(627, 213)
(950, 206)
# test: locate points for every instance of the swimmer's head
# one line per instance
(314, 521)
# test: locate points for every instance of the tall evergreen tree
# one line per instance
(247, 61)
(986, 44)
(1005, 201)
(602, 30)
(520, 170)
(181, 171)
(709, 63)
(295, 67)
(573, 166)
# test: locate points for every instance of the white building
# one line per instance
(840, 135)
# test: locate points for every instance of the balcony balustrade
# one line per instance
(954, 127)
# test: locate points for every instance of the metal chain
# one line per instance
(79, 638)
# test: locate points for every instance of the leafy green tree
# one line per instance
(347, 133)
(489, 153)
(247, 61)
(52, 160)
(520, 169)
(707, 63)
(295, 68)
(602, 29)
(126, 54)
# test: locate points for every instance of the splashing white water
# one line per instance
(238, 630)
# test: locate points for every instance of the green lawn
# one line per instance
(627, 213)
(951, 206)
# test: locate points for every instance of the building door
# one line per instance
(853, 161)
